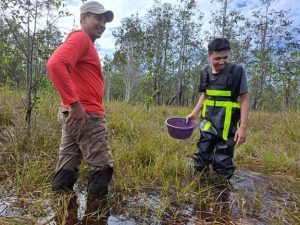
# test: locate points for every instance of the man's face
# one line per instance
(219, 59)
(93, 24)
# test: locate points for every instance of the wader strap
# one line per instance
(221, 93)
(228, 106)
(207, 125)
(204, 78)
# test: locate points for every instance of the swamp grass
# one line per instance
(146, 158)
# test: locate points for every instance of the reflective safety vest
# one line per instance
(220, 108)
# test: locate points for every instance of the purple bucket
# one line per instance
(179, 129)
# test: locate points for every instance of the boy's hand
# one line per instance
(191, 116)
(240, 136)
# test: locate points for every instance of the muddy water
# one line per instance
(251, 198)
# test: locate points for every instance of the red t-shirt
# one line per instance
(75, 70)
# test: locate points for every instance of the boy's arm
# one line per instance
(195, 113)
(240, 135)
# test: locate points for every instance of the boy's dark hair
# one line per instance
(218, 44)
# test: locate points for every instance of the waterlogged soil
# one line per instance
(250, 198)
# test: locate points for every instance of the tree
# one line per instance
(33, 42)
(188, 46)
(129, 40)
(220, 19)
(286, 65)
(107, 69)
(274, 41)
(10, 69)
(158, 54)
(262, 50)
(230, 23)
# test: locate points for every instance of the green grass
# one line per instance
(273, 143)
(145, 157)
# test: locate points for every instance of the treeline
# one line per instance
(158, 56)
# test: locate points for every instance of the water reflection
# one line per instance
(84, 210)
(97, 212)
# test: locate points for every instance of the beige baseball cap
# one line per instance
(97, 8)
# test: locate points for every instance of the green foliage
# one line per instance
(273, 140)
(159, 52)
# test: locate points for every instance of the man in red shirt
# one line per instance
(75, 71)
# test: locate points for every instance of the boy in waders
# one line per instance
(223, 119)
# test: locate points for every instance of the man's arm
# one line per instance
(63, 61)
(195, 113)
(240, 135)
(60, 67)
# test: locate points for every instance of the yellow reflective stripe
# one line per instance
(208, 102)
(218, 93)
(228, 105)
(207, 126)
(204, 109)
(227, 122)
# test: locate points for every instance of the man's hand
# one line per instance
(240, 136)
(77, 115)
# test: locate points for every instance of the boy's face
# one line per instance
(219, 59)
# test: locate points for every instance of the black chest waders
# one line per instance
(219, 122)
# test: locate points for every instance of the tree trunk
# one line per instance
(127, 93)
(224, 18)
(107, 86)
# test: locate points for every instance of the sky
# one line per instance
(125, 8)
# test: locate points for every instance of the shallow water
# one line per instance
(251, 198)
